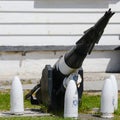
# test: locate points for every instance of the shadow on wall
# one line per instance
(114, 63)
(104, 61)
(73, 3)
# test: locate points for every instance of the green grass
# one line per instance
(4, 101)
(33, 118)
(89, 101)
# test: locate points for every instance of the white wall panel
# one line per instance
(53, 29)
(76, 5)
(31, 65)
(54, 18)
(27, 22)
(61, 22)
(51, 40)
(16, 5)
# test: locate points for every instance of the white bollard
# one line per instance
(115, 88)
(71, 100)
(16, 97)
(107, 100)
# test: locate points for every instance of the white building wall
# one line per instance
(52, 23)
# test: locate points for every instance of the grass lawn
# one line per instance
(89, 101)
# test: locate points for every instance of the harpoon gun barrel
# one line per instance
(51, 91)
(93, 34)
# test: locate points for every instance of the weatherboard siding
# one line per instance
(51, 23)
(27, 22)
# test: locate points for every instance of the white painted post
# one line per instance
(107, 100)
(71, 100)
(115, 88)
(16, 97)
